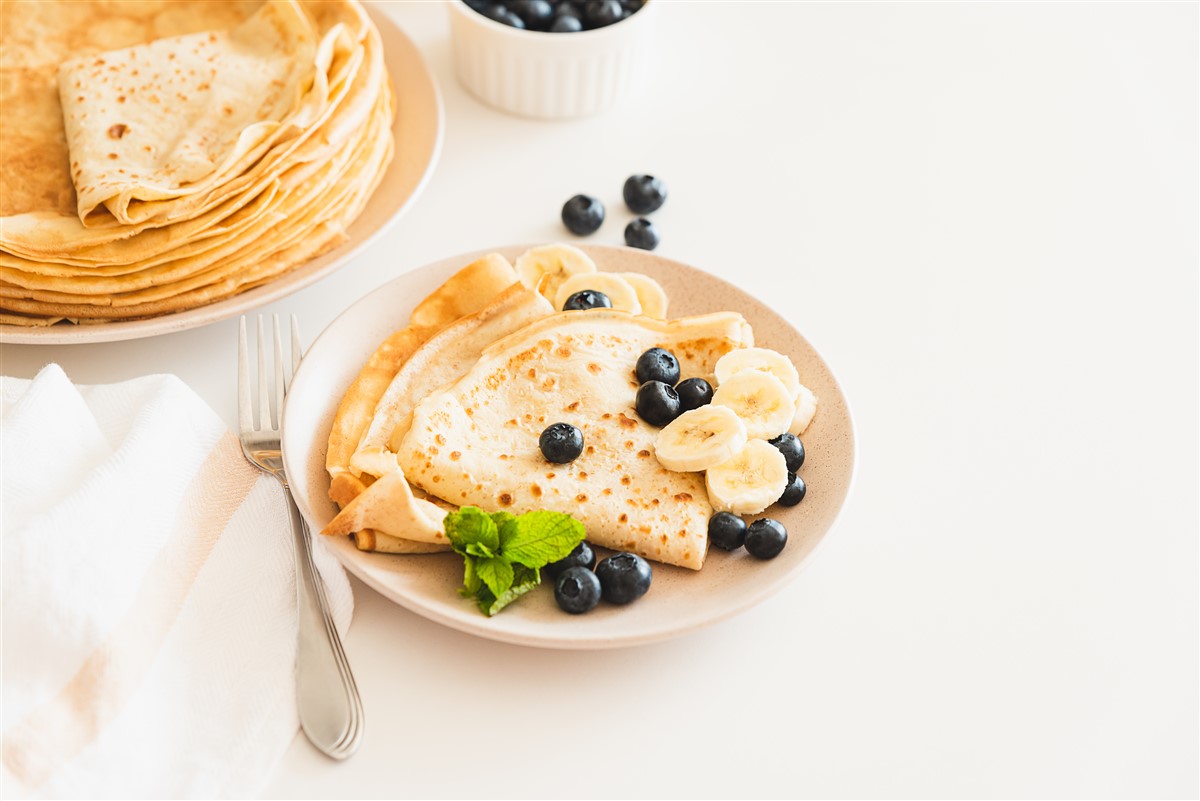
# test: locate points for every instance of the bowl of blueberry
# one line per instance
(551, 59)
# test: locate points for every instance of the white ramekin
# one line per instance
(549, 75)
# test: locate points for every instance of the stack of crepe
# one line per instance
(159, 156)
(448, 410)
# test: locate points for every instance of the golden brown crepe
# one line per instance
(184, 196)
(475, 442)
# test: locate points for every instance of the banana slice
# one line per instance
(545, 267)
(760, 399)
(750, 481)
(806, 408)
(700, 439)
(619, 291)
(650, 294)
(762, 359)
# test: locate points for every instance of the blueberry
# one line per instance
(561, 443)
(657, 364)
(565, 23)
(535, 13)
(583, 214)
(501, 14)
(624, 577)
(568, 9)
(477, 5)
(792, 449)
(793, 493)
(657, 403)
(641, 233)
(577, 590)
(644, 193)
(765, 538)
(599, 13)
(693, 393)
(582, 556)
(587, 299)
(632, 5)
(727, 531)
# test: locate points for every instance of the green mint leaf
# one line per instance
(478, 549)
(543, 537)
(471, 582)
(507, 525)
(496, 573)
(525, 580)
(471, 525)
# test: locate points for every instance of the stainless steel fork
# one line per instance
(331, 712)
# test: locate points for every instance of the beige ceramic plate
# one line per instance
(679, 600)
(418, 132)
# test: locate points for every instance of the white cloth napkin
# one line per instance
(149, 605)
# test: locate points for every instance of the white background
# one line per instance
(985, 217)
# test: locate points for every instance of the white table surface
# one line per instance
(985, 216)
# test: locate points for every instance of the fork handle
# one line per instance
(326, 695)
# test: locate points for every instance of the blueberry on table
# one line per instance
(641, 233)
(644, 193)
(577, 590)
(792, 449)
(726, 531)
(598, 13)
(535, 13)
(566, 23)
(693, 393)
(624, 577)
(765, 538)
(583, 214)
(793, 493)
(657, 403)
(561, 443)
(657, 364)
(587, 299)
(582, 556)
(501, 14)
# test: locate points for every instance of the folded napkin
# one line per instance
(149, 604)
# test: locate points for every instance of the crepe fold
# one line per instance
(198, 151)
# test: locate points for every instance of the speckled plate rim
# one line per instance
(419, 129)
(680, 600)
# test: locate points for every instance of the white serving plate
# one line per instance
(679, 600)
(418, 131)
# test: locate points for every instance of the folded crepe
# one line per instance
(476, 441)
(171, 117)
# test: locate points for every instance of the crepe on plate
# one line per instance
(173, 154)
(403, 460)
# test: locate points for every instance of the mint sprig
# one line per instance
(503, 553)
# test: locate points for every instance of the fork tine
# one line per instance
(264, 394)
(278, 372)
(245, 407)
(297, 348)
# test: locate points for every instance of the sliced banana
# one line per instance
(806, 409)
(750, 481)
(762, 359)
(619, 291)
(700, 438)
(760, 399)
(650, 294)
(545, 267)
